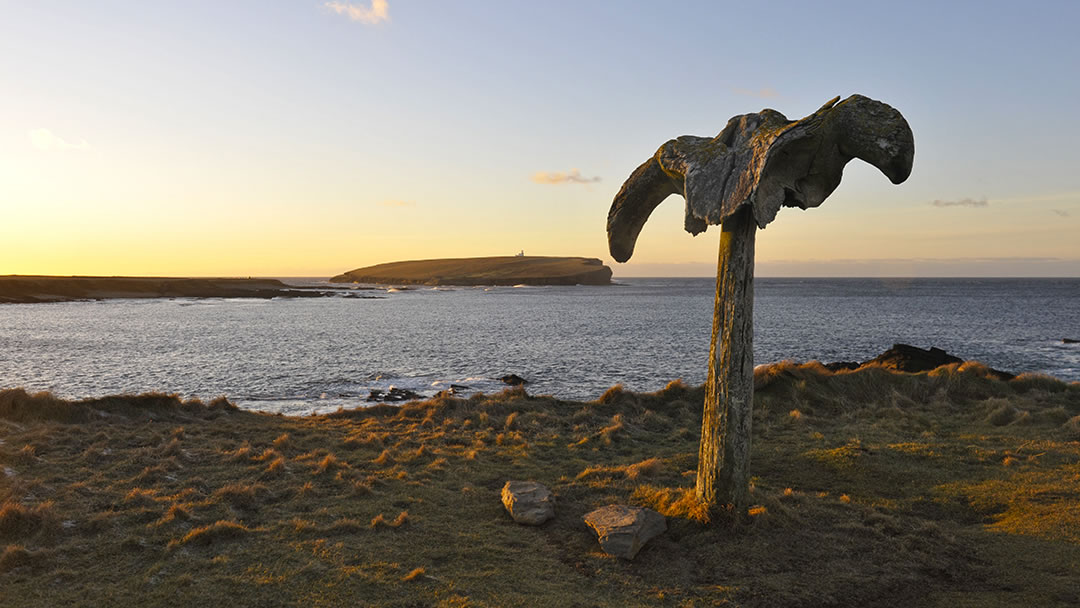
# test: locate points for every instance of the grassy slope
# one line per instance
(506, 270)
(873, 488)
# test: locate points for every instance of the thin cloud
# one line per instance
(379, 11)
(1061, 212)
(397, 203)
(573, 177)
(1042, 198)
(764, 92)
(47, 141)
(964, 202)
(917, 260)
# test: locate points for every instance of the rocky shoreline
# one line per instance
(911, 359)
(25, 289)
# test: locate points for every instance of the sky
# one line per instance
(307, 138)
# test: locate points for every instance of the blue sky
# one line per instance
(308, 138)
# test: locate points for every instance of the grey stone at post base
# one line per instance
(528, 502)
(623, 530)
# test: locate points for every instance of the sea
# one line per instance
(311, 355)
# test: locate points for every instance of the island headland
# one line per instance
(502, 270)
(26, 289)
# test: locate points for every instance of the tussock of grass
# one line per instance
(216, 532)
(141, 497)
(276, 466)
(1004, 413)
(20, 406)
(15, 556)
(19, 521)
(613, 394)
(242, 495)
(268, 455)
(329, 463)
(240, 454)
(1037, 382)
(26, 455)
(175, 513)
(679, 503)
(380, 521)
(1072, 428)
(346, 525)
(645, 468)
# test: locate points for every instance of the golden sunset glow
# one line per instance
(200, 156)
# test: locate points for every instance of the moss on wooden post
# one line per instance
(723, 474)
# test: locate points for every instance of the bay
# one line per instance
(298, 356)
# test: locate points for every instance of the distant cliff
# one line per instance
(508, 270)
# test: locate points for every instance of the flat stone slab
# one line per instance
(623, 530)
(528, 502)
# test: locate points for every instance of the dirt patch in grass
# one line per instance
(870, 488)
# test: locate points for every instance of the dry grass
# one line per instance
(871, 488)
(242, 495)
(216, 532)
(19, 521)
(380, 521)
(15, 556)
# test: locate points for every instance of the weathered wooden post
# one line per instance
(739, 180)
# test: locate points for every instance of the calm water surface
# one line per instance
(304, 355)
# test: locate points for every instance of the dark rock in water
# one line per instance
(393, 394)
(837, 366)
(455, 389)
(513, 380)
(907, 358)
(911, 359)
(1069, 341)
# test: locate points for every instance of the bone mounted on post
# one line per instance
(762, 160)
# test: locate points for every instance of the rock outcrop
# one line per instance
(528, 502)
(623, 530)
(393, 394)
(508, 270)
(513, 380)
(907, 358)
(910, 359)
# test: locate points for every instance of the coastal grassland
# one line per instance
(871, 488)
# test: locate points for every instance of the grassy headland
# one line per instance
(872, 488)
(506, 270)
(33, 289)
